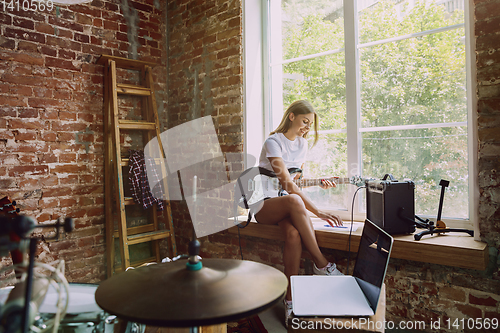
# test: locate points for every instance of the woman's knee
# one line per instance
(292, 236)
(295, 202)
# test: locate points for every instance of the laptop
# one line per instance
(345, 295)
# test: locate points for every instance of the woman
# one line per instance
(286, 148)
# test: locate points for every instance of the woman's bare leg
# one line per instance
(292, 207)
(291, 253)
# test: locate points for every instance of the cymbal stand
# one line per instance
(440, 226)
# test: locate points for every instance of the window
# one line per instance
(389, 81)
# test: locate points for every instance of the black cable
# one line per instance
(239, 241)
(350, 231)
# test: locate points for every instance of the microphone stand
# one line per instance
(194, 263)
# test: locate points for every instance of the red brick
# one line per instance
(7, 43)
(57, 192)
(23, 23)
(22, 91)
(21, 70)
(17, 171)
(25, 136)
(65, 24)
(469, 311)
(13, 101)
(142, 7)
(67, 54)
(48, 137)
(43, 103)
(48, 158)
(8, 183)
(482, 300)
(7, 111)
(486, 10)
(26, 35)
(44, 28)
(42, 92)
(28, 113)
(82, 38)
(59, 63)
(68, 202)
(63, 74)
(84, 19)
(41, 71)
(24, 124)
(5, 18)
(62, 95)
(110, 25)
(70, 179)
(62, 245)
(64, 33)
(48, 51)
(23, 58)
(98, 23)
(28, 46)
(64, 43)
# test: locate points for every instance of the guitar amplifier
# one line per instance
(390, 204)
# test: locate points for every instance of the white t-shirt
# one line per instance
(293, 152)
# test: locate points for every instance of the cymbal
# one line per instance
(169, 295)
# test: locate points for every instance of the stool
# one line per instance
(375, 323)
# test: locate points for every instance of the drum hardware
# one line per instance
(22, 226)
(192, 294)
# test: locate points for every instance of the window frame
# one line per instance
(259, 120)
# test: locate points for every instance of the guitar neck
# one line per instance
(317, 181)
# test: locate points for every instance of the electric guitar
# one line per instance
(256, 184)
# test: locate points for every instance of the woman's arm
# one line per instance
(325, 183)
(288, 185)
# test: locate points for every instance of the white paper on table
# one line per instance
(346, 227)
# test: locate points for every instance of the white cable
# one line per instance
(56, 278)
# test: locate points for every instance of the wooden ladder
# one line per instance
(115, 200)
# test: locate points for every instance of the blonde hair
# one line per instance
(297, 107)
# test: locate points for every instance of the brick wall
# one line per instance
(51, 132)
(205, 78)
(51, 114)
(415, 291)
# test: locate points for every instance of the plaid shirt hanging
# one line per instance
(138, 179)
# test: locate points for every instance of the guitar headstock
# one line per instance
(357, 180)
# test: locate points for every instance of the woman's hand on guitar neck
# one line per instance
(332, 219)
(326, 184)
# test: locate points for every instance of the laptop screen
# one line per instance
(372, 260)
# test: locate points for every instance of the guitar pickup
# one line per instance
(251, 185)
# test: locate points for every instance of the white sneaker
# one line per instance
(330, 269)
(288, 311)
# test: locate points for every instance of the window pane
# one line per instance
(311, 27)
(328, 158)
(322, 82)
(424, 156)
(414, 81)
(392, 18)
